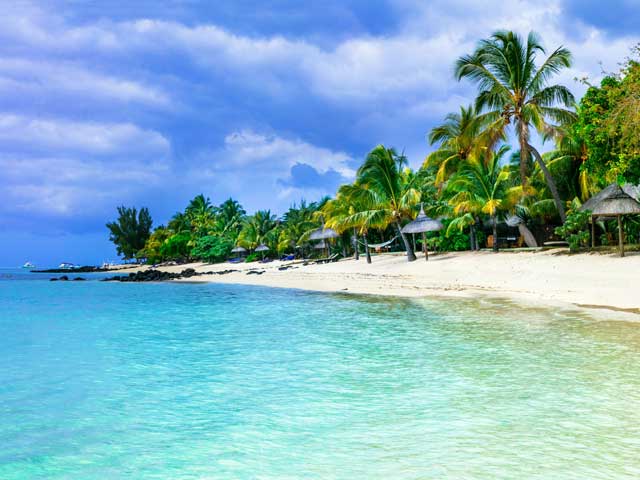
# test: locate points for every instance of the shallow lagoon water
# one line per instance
(155, 381)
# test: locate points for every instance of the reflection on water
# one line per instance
(212, 381)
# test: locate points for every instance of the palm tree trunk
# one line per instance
(550, 183)
(495, 232)
(356, 253)
(472, 237)
(477, 242)
(425, 247)
(411, 256)
(366, 248)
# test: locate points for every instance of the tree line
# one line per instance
(473, 179)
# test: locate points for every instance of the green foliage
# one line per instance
(252, 257)
(575, 229)
(212, 248)
(130, 231)
(609, 124)
(176, 247)
(151, 250)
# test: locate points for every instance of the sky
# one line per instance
(150, 103)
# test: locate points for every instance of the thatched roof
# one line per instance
(262, 248)
(422, 223)
(322, 233)
(238, 250)
(614, 200)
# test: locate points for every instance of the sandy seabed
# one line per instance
(602, 283)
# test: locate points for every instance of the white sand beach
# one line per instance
(588, 280)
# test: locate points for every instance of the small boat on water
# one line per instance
(28, 265)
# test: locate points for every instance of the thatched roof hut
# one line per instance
(613, 201)
(423, 224)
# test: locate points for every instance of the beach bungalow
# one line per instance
(614, 201)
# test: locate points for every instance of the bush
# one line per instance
(252, 257)
(575, 229)
(212, 249)
(456, 241)
(177, 246)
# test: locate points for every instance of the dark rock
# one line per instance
(63, 278)
(53, 279)
(79, 279)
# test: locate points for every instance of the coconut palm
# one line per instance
(514, 91)
(201, 215)
(260, 228)
(460, 136)
(566, 162)
(391, 193)
(229, 218)
(296, 222)
(481, 187)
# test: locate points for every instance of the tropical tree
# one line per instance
(201, 215)
(481, 187)
(130, 231)
(460, 136)
(355, 208)
(389, 192)
(259, 228)
(229, 218)
(513, 90)
(297, 222)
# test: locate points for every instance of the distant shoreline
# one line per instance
(601, 284)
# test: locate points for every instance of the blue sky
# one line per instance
(105, 103)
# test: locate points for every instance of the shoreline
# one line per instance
(602, 285)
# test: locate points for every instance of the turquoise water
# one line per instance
(165, 381)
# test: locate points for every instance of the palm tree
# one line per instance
(392, 192)
(567, 161)
(260, 228)
(356, 209)
(229, 218)
(460, 136)
(201, 215)
(296, 222)
(514, 91)
(481, 186)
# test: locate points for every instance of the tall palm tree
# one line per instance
(513, 90)
(296, 222)
(567, 161)
(357, 209)
(481, 187)
(229, 218)
(460, 136)
(260, 228)
(201, 214)
(392, 192)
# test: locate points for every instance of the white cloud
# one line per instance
(31, 77)
(64, 135)
(67, 187)
(250, 165)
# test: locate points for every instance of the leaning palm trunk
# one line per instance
(550, 183)
(495, 232)
(356, 253)
(366, 248)
(411, 256)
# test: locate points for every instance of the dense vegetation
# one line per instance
(473, 180)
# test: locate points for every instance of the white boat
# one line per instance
(28, 265)
(66, 266)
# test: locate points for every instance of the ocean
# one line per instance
(201, 381)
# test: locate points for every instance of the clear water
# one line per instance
(164, 381)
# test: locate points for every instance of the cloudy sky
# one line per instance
(110, 103)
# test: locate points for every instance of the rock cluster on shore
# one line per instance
(153, 275)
